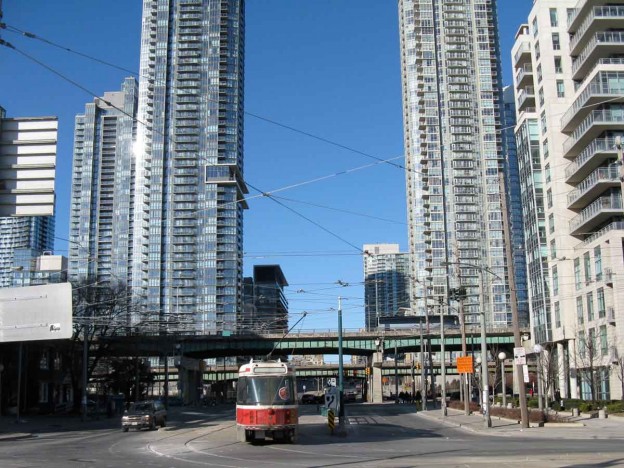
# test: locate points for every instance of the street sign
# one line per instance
(525, 373)
(331, 398)
(519, 356)
(332, 381)
(464, 365)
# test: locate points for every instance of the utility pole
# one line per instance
(515, 320)
(340, 366)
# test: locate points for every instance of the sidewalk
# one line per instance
(582, 427)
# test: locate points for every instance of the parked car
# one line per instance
(311, 399)
(144, 414)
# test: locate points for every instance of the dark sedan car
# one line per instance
(144, 414)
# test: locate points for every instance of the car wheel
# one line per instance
(152, 426)
(125, 429)
(164, 422)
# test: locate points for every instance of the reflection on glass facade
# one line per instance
(386, 283)
(265, 307)
(532, 195)
(514, 206)
(454, 153)
(188, 217)
(102, 182)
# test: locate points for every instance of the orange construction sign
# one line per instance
(464, 365)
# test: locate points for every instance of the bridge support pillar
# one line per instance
(377, 390)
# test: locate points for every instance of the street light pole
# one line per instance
(340, 365)
(485, 385)
(502, 356)
(538, 349)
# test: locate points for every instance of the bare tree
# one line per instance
(99, 310)
(589, 359)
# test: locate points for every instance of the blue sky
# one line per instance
(328, 68)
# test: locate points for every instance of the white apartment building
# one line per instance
(569, 84)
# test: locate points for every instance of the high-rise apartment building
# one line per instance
(386, 282)
(514, 205)
(188, 214)
(265, 307)
(102, 188)
(454, 154)
(569, 78)
(30, 143)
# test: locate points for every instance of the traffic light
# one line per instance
(368, 371)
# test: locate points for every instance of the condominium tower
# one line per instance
(569, 82)
(102, 189)
(386, 283)
(187, 222)
(452, 100)
(28, 144)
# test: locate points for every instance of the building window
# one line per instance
(604, 345)
(43, 392)
(587, 267)
(569, 13)
(555, 41)
(534, 24)
(558, 65)
(549, 200)
(560, 89)
(44, 362)
(598, 262)
(590, 307)
(554, 22)
(577, 273)
(553, 249)
(557, 315)
(540, 93)
(602, 310)
(543, 122)
(539, 73)
(547, 172)
(551, 228)
(579, 311)
(582, 344)
(555, 277)
(545, 151)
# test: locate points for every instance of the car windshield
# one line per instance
(266, 390)
(141, 407)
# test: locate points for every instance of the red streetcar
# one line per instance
(266, 402)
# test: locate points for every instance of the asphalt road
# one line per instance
(377, 436)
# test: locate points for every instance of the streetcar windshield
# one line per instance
(266, 390)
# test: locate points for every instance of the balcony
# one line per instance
(594, 124)
(524, 76)
(594, 155)
(608, 276)
(526, 98)
(596, 214)
(600, 18)
(522, 56)
(595, 184)
(602, 44)
(598, 91)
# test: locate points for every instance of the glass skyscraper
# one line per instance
(188, 186)
(102, 186)
(452, 101)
